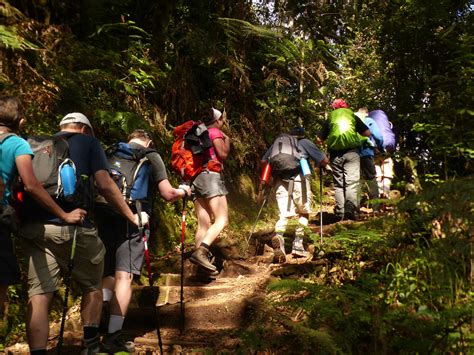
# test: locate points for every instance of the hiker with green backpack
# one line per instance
(288, 160)
(345, 133)
(54, 246)
(138, 171)
(15, 160)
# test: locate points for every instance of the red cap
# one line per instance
(339, 103)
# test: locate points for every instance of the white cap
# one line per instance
(76, 117)
(216, 114)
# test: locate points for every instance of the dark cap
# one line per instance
(297, 131)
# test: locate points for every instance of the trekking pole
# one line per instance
(146, 234)
(321, 203)
(183, 233)
(258, 216)
(68, 280)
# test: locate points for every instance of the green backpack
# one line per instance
(342, 131)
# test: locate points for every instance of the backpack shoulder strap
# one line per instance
(4, 136)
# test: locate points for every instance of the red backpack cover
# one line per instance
(188, 156)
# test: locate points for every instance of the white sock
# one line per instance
(107, 294)
(115, 323)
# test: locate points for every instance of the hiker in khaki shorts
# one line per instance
(47, 241)
(15, 161)
(292, 185)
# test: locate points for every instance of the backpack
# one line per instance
(385, 127)
(342, 131)
(3, 136)
(285, 157)
(190, 152)
(130, 169)
(51, 160)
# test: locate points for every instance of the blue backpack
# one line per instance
(131, 170)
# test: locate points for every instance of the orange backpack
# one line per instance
(188, 156)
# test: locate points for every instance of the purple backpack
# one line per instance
(385, 127)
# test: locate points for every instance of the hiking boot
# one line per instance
(200, 257)
(115, 343)
(278, 245)
(91, 346)
(298, 248)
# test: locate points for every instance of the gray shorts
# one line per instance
(209, 184)
(123, 244)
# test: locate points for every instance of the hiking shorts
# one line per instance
(124, 245)
(297, 202)
(9, 269)
(209, 184)
(47, 249)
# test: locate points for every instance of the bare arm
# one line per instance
(169, 193)
(222, 146)
(366, 133)
(111, 193)
(37, 191)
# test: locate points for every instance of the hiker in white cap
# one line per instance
(210, 194)
(50, 240)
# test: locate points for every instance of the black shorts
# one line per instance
(9, 269)
(123, 244)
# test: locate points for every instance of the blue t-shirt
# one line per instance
(375, 139)
(11, 148)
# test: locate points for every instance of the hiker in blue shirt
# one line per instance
(294, 196)
(367, 154)
(15, 160)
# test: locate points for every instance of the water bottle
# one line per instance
(68, 179)
(305, 167)
(265, 174)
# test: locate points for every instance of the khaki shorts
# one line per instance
(47, 249)
(300, 200)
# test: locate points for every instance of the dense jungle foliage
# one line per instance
(401, 284)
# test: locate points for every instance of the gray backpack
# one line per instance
(285, 157)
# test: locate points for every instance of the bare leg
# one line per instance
(91, 307)
(37, 325)
(203, 213)
(123, 293)
(218, 206)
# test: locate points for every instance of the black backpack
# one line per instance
(131, 170)
(285, 157)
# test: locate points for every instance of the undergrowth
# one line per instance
(399, 284)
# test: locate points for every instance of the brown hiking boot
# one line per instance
(278, 245)
(200, 257)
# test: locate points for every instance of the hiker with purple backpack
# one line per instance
(383, 161)
(367, 154)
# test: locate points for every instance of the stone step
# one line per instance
(142, 295)
(221, 313)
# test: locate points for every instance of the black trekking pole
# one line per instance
(68, 280)
(183, 233)
(145, 233)
(258, 215)
(321, 203)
